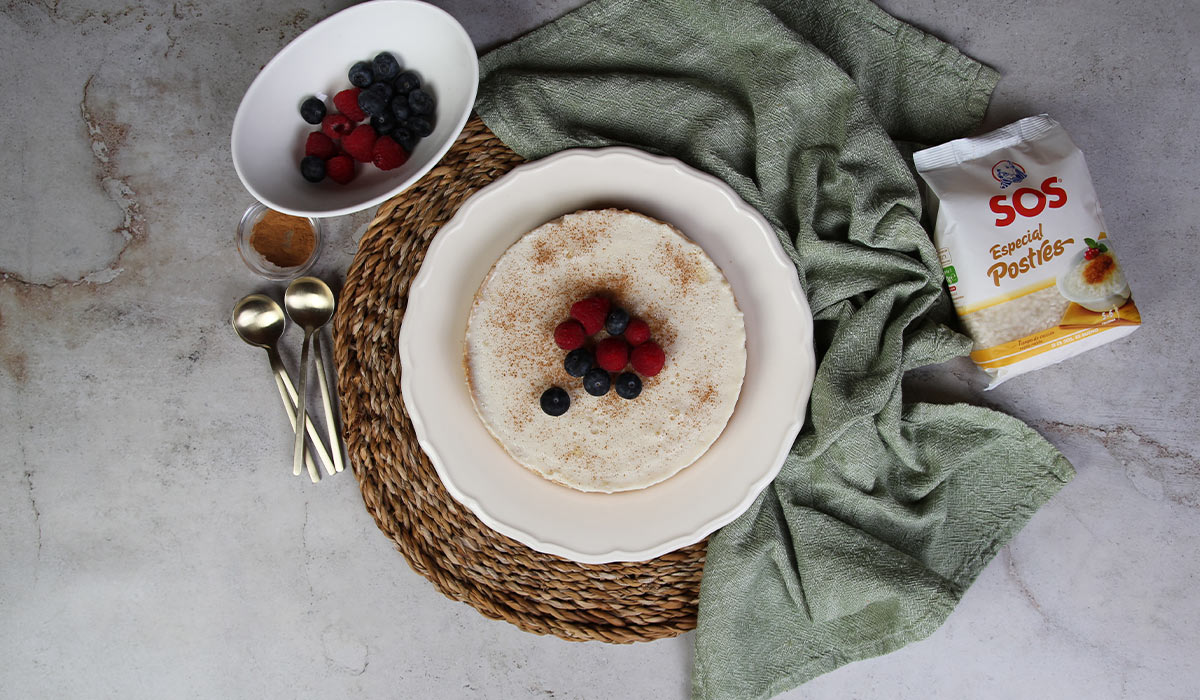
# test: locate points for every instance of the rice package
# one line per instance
(1026, 255)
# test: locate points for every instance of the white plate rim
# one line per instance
(788, 433)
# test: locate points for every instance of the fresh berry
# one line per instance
(591, 312)
(312, 110)
(386, 66)
(405, 138)
(637, 332)
(383, 123)
(406, 82)
(420, 126)
(555, 401)
(361, 74)
(578, 362)
(312, 168)
(596, 382)
(360, 142)
(340, 169)
(371, 102)
(628, 385)
(569, 335)
(647, 359)
(347, 103)
(336, 126)
(387, 154)
(420, 102)
(400, 107)
(617, 321)
(1090, 253)
(384, 90)
(612, 354)
(319, 145)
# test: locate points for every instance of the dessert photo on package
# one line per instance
(1027, 258)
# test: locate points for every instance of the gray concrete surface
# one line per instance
(154, 546)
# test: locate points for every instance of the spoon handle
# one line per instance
(288, 395)
(301, 414)
(284, 380)
(335, 442)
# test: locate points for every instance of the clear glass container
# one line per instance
(259, 264)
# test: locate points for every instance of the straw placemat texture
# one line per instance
(442, 540)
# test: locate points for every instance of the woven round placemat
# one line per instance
(442, 540)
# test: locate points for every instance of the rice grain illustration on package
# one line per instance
(1027, 258)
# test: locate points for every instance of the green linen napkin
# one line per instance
(884, 512)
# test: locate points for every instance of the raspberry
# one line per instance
(591, 312)
(569, 335)
(360, 143)
(347, 103)
(612, 354)
(388, 155)
(1090, 253)
(319, 145)
(637, 332)
(647, 359)
(336, 126)
(340, 169)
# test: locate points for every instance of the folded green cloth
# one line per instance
(884, 512)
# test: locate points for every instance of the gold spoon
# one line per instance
(260, 321)
(309, 303)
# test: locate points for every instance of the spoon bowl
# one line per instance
(259, 320)
(309, 302)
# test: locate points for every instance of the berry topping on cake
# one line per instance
(555, 401)
(647, 359)
(569, 335)
(612, 354)
(591, 312)
(637, 332)
(628, 385)
(596, 382)
(617, 321)
(578, 362)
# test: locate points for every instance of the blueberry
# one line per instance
(404, 137)
(406, 82)
(312, 110)
(420, 102)
(617, 321)
(555, 401)
(386, 66)
(312, 168)
(628, 385)
(400, 107)
(420, 127)
(361, 74)
(371, 103)
(596, 382)
(578, 362)
(383, 123)
(385, 90)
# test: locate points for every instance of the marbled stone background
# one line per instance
(154, 545)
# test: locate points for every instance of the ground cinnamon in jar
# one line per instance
(284, 240)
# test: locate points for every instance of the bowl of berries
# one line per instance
(356, 109)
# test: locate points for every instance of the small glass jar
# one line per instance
(257, 262)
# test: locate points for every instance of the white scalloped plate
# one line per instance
(597, 528)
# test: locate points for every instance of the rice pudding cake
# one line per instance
(653, 272)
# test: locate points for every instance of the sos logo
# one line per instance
(1027, 201)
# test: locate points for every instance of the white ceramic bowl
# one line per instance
(631, 525)
(268, 133)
